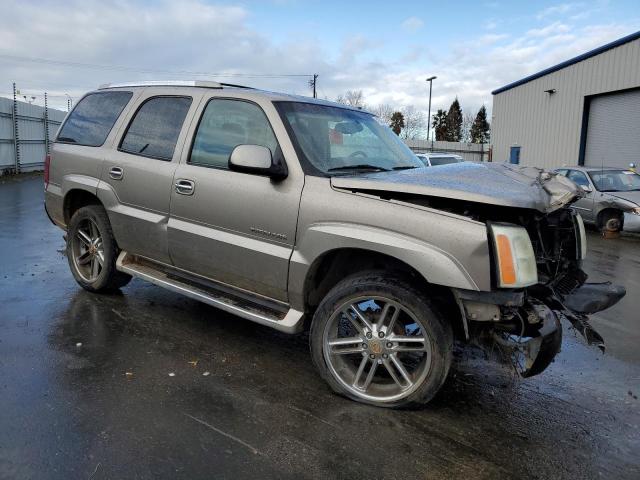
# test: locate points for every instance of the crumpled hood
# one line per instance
(491, 183)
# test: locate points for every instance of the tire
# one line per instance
(348, 371)
(90, 241)
(611, 222)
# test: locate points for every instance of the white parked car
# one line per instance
(433, 159)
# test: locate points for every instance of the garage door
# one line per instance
(613, 132)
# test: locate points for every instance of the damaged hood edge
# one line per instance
(489, 183)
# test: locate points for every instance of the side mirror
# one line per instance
(256, 159)
(586, 188)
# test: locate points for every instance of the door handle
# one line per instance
(185, 187)
(116, 173)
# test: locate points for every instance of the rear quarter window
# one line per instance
(93, 118)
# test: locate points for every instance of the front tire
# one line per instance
(378, 340)
(611, 222)
(92, 251)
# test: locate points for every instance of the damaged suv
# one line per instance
(302, 214)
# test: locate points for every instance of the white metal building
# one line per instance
(585, 111)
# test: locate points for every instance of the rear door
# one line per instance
(584, 206)
(137, 174)
(233, 227)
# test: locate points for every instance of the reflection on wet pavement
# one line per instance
(85, 389)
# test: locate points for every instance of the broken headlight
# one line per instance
(515, 260)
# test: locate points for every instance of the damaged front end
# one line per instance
(527, 214)
(525, 323)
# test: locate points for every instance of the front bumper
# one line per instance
(631, 223)
(526, 324)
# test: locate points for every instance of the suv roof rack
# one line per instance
(171, 83)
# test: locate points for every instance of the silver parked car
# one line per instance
(612, 197)
(302, 214)
(433, 159)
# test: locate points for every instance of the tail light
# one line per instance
(47, 164)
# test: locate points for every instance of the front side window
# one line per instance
(93, 118)
(337, 140)
(225, 124)
(154, 130)
(615, 180)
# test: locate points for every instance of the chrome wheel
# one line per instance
(377, 349)
(88, 250)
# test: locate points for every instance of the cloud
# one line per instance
(195, 36)
(412, 24)
(556, 10)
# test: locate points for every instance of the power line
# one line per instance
(47, 61)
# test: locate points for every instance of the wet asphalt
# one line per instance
(148, 384)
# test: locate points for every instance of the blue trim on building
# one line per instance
(579, 58)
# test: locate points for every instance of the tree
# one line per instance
(353, 98)
(414, 123)
(397, 122)
(439, 124)
(454, 122)
(480, 130)
(467, 123)
(384, 112)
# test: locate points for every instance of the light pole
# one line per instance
(430, 80)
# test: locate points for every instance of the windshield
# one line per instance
(337, 140)
(615, 180)
(444, 160)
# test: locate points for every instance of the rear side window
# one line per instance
(91, 121)
(154, 130)
(225, 124)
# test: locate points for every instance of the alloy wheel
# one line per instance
(88, 250)
(377, 348)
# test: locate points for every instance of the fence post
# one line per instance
(46, 125)
(16, 137)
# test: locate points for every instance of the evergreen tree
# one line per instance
(440, 124)
(397, 122)
(480, 130)
(454, 122)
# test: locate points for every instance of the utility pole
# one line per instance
(430, 80)
(313, 83)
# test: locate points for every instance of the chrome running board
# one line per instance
(284, 319)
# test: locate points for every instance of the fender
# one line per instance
(434, 264)
(79, 182)
(56, 194)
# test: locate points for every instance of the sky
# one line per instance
(386, 49)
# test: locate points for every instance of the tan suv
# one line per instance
(302, 214)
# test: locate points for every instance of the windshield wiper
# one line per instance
(363, 166)
(67, 139)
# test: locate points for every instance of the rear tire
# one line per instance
(92, 251)
(356, 330)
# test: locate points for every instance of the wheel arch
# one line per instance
(334, 265)
(75, 199)
(605, 212)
